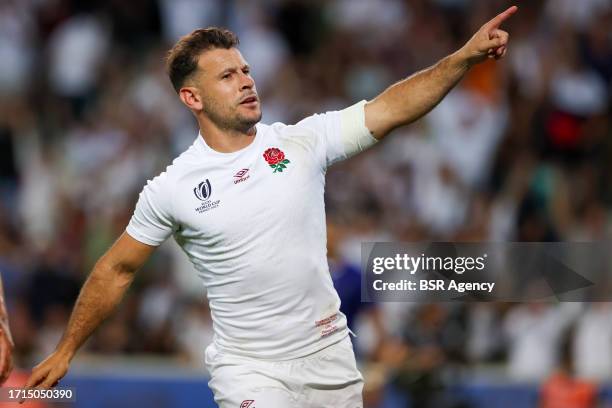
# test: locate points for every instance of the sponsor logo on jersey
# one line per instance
(241, 176)
(276, 159)
(247, 404)
(203, 192)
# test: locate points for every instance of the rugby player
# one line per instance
(245, 202)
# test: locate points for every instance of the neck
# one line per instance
(225, 140)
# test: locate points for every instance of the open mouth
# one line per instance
(249, 100)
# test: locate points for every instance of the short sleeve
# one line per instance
(152, 222)
(341, 134)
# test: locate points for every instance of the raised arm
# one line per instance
(408, 100)
(101, 293)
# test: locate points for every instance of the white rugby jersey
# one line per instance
(253, 224)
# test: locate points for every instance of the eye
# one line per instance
(226, 76)
(247, 71)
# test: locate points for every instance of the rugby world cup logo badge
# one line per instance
(203, 192)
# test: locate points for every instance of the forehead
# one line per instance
(218, 59)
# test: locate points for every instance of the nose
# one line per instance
(247, 82)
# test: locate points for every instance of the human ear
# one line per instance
(191, 98)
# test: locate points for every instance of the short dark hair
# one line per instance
(182, 59)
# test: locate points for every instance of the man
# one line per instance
(245, 202)
(6, 341)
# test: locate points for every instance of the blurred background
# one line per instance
(519, 151)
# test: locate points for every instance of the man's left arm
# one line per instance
(408, 100)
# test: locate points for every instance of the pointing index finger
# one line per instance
(496, 21)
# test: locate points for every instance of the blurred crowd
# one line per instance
(520, 151)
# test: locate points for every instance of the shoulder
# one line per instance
(309, 126)
(282, 132)
(273, 128)
(317, 121)
(181, 165)
(193, 156)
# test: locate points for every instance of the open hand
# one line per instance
(48, 373)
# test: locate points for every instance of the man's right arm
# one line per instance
(100, 295)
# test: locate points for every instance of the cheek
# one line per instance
(221, 96)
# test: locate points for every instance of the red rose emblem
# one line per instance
(276, 159)
(274, 155)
